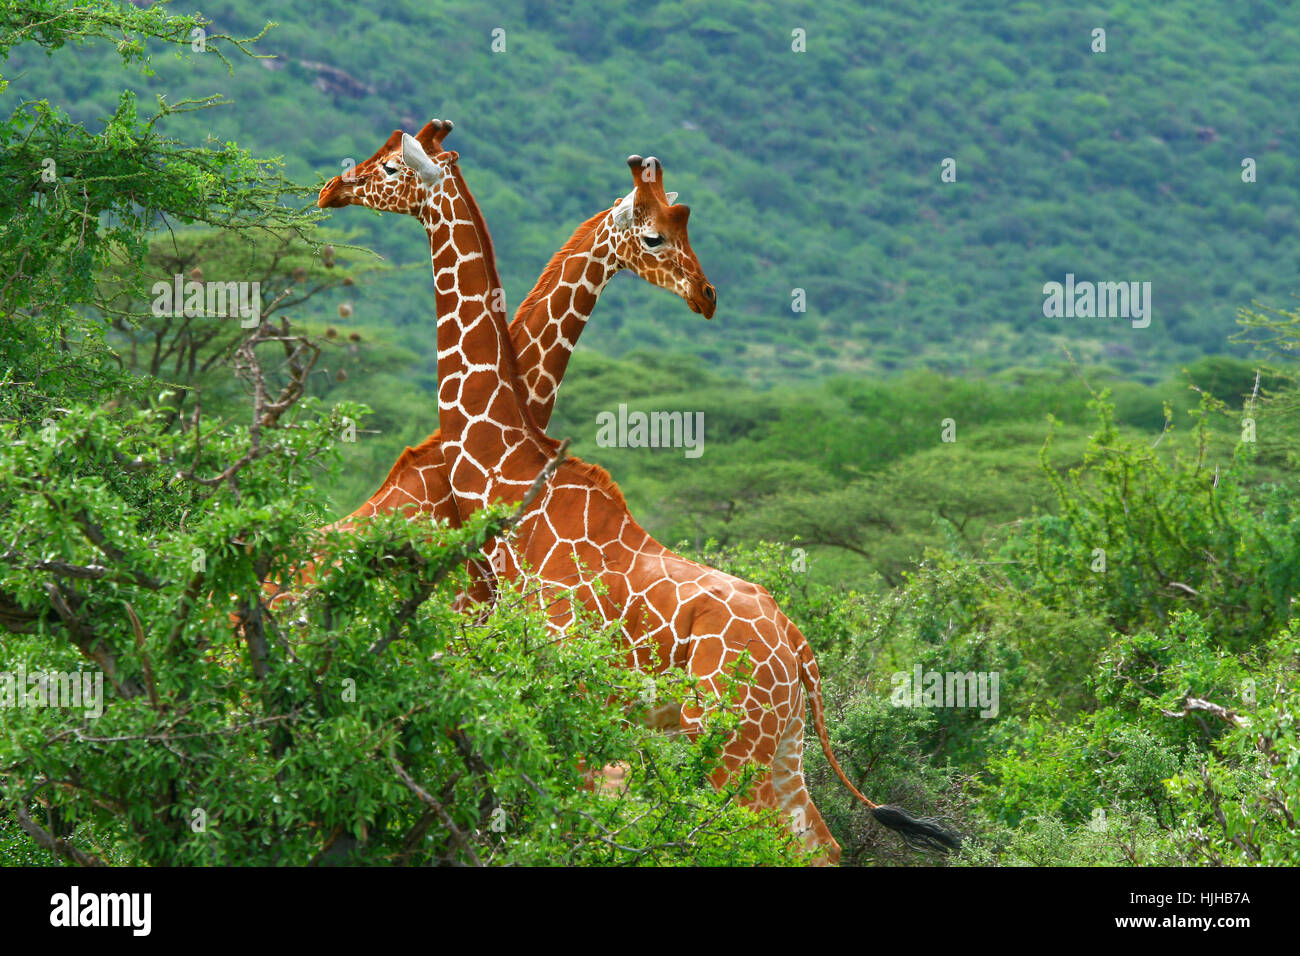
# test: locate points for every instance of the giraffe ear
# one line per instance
(418, 160)
(623, 212)
(672, 198)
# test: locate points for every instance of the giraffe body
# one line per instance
(672, 612)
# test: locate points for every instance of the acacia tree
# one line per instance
(73, 201)
(363, 721)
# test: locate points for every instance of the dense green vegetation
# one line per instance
(367, 721)
(1110, 530)
(817, 170)
(857, 469)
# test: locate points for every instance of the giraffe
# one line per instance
(671, 612)
(549, 321)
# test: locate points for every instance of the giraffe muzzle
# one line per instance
(335, 193)
(707, 301)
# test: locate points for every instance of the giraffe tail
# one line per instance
(919, 833)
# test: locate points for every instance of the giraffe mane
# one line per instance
(601, 478)
(550, 276)
(405, 460)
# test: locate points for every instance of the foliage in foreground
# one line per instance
(366, 722)
(1147, 699)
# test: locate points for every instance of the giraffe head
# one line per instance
(398, 178)
(648, 235)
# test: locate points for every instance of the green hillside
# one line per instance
(817, 170)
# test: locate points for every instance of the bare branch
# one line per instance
(1194, 704)
(52, 843)
(432, 803)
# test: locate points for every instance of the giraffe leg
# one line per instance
(770, 735)
(792, 792)
(754, 741)
(611, 778)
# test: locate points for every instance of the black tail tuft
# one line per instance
(924, 833)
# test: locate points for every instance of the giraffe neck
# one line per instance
(492, 447)
(547, 326)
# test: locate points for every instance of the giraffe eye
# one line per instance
(652, 241)
(391, 170)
